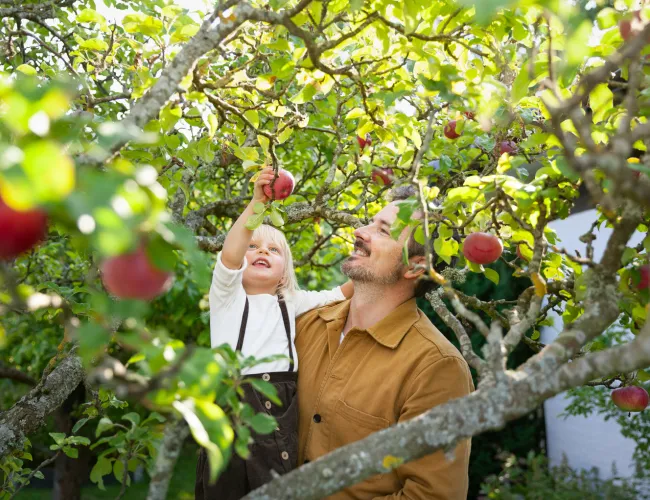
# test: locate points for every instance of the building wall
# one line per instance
(586, 441)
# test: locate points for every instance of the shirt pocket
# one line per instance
(352, 425)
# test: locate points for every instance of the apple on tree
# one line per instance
(631, 398)
(382, 176)
(282, 187)
(364, 142)
(509, 147)
(134, 276)
(644, 278)
(450, 130)
(482, 248)
(20, 230)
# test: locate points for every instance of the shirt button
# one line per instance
(267, 405)
(317, 418)
(266, 377)
(285, 455)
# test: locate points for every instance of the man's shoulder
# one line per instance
(433, 344)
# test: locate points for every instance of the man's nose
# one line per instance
(362, 233)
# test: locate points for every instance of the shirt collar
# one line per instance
(390, 330)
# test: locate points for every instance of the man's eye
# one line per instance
(384, 231)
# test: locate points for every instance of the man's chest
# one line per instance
(346, 391)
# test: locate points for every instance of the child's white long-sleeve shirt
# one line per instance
(265, 334)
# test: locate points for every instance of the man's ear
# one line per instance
(417, 266)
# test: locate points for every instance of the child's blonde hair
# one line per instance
(289, 280)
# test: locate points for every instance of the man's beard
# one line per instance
(362, 275)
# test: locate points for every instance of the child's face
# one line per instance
(265, 265)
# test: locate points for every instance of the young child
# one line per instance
(254, 300)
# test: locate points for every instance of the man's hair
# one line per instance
(415, 249)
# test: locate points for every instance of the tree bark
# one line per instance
(70, 473)
(30, 412)
(175, 434)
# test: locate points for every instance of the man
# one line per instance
(376, 360)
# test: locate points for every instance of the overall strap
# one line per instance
(285, 319)
(242, 328)
(287, 327)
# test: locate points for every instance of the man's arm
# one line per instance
(238, 238)
(434, 477)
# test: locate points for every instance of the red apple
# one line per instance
(133, 276)
(469, 115)
(20, 230)
(283, 186)
(482, 248)
(630, 398)
(631, 25)
(507, 147)
(382, 176)
(644, 280)
(450, 130)
(364, 142)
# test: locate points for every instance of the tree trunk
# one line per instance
(175, 434)
(70, 473)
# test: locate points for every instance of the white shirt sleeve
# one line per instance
(306, 300)
(226, 284)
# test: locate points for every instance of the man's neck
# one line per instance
(371, 303)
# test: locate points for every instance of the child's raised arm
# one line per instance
(238, 238)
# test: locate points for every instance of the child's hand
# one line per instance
(265, 178)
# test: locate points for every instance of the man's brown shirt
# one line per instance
(392, 372)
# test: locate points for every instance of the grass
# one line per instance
(181, 486)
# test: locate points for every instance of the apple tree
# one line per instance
(128, 148)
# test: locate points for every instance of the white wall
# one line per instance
(586, 441)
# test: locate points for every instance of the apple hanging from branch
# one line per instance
(283, 186)
(482, 248)
(20, 230)
(450, 130)
(134, 276)
(382, 176)
(631, 398)
(364, 142)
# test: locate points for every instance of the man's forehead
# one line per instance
(387, 215)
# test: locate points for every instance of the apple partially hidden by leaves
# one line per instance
(507, 147)
(20, 230)
(631, 25)
(382, 176)
(630, 398)
(282, 187)
(469, 115)
(482, 248)
(364, 142)
(450, 130)
(134, 276)
(520, 253)
(644, 278)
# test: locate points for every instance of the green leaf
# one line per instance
(355, 113)
(79, 425)
(101, 468)
(161, 254)
(276, 218)
(253, 117)
(259, 207)
(492, 275)
(601, 101)
(254, 221)
(265, 388)
(90, 16)
(132, 417)
(520, 85)
(263, 423)
(50, 171)
(104, 424)
(71, 452)
(58, 437)
(118, 470)
(26, 69)
(304, 95)
(94, 44)
(264, 142)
